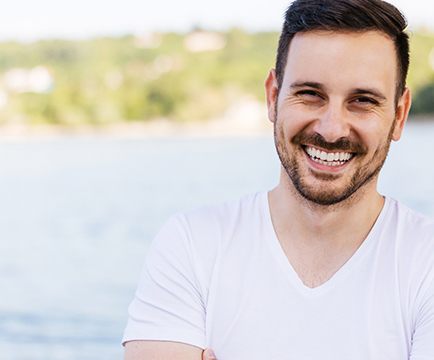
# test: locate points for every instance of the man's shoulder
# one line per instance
(209, 228)
(203, 233)
(414, 236)
(411, 222)
(413, 251)
(224, 213)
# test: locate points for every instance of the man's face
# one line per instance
(335, 115)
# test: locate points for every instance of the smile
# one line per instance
(328, 158)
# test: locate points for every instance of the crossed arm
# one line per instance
(165, 350)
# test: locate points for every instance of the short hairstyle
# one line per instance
(349, 16)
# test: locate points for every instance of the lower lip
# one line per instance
(326, 168)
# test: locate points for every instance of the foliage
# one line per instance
(423, 102)
(103, 80)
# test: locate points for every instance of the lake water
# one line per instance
(77, 215)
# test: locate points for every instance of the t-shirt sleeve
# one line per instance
(168, 304)
(423, 336)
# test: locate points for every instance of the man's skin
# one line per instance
(338, 85)
(165, 350)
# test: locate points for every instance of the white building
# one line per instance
(35, 80)
(200, 41)
(148, 40)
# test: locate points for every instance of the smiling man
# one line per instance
(323, 266)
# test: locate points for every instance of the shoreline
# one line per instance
(133, 130)
(160, 128)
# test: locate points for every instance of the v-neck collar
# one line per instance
(345, 270)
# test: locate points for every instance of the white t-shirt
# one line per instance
(218, 277)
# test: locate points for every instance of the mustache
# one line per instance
(317, 140)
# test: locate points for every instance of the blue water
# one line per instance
(77, 215)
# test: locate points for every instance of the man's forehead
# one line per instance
(362, 59)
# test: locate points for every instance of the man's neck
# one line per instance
(318, 240)
(293, 214)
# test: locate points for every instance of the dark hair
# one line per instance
(345, 15)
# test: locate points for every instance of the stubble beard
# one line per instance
(329, 195)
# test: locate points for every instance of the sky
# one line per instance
(29, 20)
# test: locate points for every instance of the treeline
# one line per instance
(180, 77)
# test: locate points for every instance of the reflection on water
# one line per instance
(78, 214)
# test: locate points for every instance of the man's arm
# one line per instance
(423, 336)
(162, 350)
(168, 305)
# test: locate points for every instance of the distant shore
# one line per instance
(152, 129)
(246, 117)
(135, 130)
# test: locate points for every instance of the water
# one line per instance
(77, 215)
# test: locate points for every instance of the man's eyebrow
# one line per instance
(369, 91)
(302, 84)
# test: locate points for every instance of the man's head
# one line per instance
(350, 16)
(338, 95)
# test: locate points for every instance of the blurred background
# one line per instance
(114, 115)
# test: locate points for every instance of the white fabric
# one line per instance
(217, 277)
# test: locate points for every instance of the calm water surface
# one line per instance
(77, 215)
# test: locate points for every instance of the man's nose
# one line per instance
(333, 123)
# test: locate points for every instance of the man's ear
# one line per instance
(401, 114)
(272, 92)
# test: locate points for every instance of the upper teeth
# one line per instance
(322, 155)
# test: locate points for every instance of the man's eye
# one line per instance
(309, 94)
(365, 100)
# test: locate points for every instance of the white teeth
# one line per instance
(323, 156)
(329, 159)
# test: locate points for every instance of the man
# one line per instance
(323, 266)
